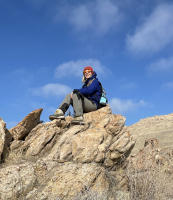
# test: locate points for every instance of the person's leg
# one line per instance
(80, 105)
(89, 106)
(77, 105)
(65, 103)
(59, 113)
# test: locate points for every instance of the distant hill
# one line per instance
(160, 127)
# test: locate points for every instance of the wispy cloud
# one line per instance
(130, 85)
(168, 86)
(99, 16)
(51, 89)
(154, 33)
(21, 77)
(75, 68)
(120, 106)
(161, 65)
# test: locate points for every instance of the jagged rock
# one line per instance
(66, 158)
(92, 142)
(98, 115)
(116, 125)
(68, 120)
(102, 140)
(26, 125)
(39, 141)
(2, 136)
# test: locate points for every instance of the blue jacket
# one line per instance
(92, 92)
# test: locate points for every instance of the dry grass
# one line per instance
(151, 184)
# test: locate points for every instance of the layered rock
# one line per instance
(26, 125)
(64, 159)
(103, 139)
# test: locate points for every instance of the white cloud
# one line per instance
(168, 86)
(155, 33)
(52, 89)
(99, 16)
(22, 76)
(75, 68)
(120, 106)
(80, 18)
(161, 65)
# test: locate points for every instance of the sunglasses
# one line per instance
(87, 71)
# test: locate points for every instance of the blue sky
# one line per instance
(45, 44)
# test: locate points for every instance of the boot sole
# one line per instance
(53, 117)
(77, 122)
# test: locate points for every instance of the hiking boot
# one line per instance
(57, 115)
(78, 120)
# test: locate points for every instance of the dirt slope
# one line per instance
(160, 127)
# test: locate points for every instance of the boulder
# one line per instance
(26, 125)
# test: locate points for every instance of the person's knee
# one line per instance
(74, 95)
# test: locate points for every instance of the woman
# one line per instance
(85, 99)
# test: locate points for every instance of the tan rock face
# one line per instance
(65, 158)
(2, 136)
(39, 141)
(102, 140)
(70, 179)
(52, 180)
(26, 125)
(16, 180)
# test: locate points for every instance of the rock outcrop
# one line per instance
(61, 159)
(26, 125)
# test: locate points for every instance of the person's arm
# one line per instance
(90, 89)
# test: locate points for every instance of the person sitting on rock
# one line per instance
(85, 99)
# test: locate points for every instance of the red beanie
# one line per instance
(89, 68)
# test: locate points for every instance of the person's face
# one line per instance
(87, 73)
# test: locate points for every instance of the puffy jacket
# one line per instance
(92, 92)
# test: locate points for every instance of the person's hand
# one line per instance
(71, 95)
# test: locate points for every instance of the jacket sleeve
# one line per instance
(90, 89)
